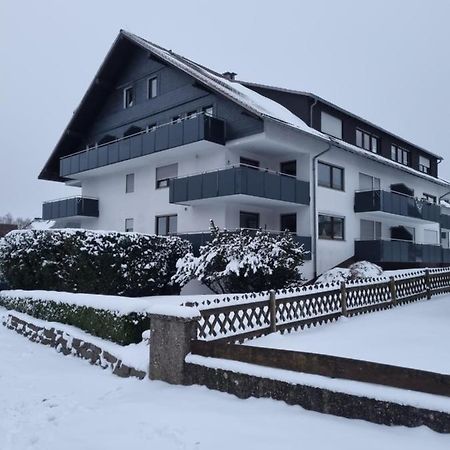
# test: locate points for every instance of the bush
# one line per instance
(244, 261)
(110, 263)
(110, 325)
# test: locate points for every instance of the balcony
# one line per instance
(445, 218)
(70, 207)
(199, 238)
(239, 180)
(395, 203)
(174, 134)
(393, 251)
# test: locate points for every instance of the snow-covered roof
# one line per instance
(261, 105)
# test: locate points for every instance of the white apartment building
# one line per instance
(160, 144)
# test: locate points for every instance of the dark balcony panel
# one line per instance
(176, 134)
(397, 252)
(162, 138)
(70, 207)
(136, 146)
(394, 203)
(239, 180)
(103, 155)
(446, 255)
(445, 221)
(124, 149)
(148, 143)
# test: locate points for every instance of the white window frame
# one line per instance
(129, 221)
(150, 93)
(329, 123)
(129, 183)
(125, 90)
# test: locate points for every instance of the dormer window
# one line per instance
(366, 141)
(400, 155)
(152, 87)
(331, 125)
(128, 97)
(424, 164)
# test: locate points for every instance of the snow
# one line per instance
(414, 335)
(184, 312)
(49, 401)
(335, 275)
(374, 391)
(133, 355)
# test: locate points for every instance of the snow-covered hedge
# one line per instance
(109, 263)
(244, 261)
(108, 324)
(357, 271)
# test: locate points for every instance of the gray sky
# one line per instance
(386, 60)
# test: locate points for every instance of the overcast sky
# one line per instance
(386, 60)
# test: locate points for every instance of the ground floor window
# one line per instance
(166, 224)
(370, 230)
(403, 233)
(129, 225)
(288, 222)
(331, 227)
(248, 220)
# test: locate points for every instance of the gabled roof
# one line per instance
(247, 98)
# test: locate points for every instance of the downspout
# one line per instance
(314, 188)
(314, 103)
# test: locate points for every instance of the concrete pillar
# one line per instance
(170, 342)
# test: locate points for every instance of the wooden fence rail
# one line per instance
(236, 321)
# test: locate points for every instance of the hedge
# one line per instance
(123, 329)
(109, 263)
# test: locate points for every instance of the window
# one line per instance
(331, 176)
(208, 110)
(152, 87)
(331, 227)
(366, 141)
(166, 225)
(289, 168)
(128, 97)
(430, 237)
(424, 164)
(164, 174)
(129, 183)
(331, 125)
(248, 220)
(248, 162)
(400, 155)
(370, 230)
(430, 198)
(129, 225)
(368, 183)
(288, 222)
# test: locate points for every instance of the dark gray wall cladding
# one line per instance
(178, 93)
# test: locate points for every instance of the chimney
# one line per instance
(230, 75)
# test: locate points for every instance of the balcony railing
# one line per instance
(70, 207)
(197, 128)
(244, 180)
(445, 218)
(199, 238)
(396, 203)
(397, 251)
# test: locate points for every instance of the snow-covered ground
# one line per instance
(49, 401)
(415, 335)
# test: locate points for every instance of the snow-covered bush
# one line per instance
(109, 263)
(357, 271)
(121, 328)
(244, 261)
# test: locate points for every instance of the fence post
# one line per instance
(344, 299)
(393, 290)
(427, 284)
(273, 311)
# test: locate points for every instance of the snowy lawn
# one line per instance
(49, 401)
(415, 335)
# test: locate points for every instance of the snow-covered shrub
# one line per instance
(109, 263)
(244, 261)
(357, 271)
(121, 328)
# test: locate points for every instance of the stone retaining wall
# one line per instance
(317, 399)
(68, 345)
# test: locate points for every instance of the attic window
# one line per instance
(128, 97)
(152, 88)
